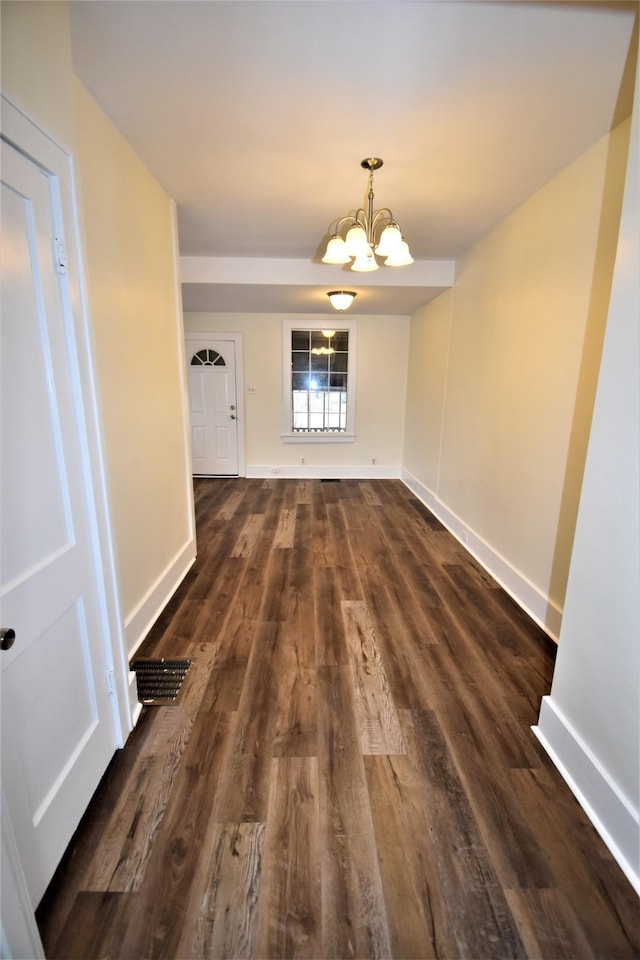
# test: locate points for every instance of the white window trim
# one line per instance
(309, 323)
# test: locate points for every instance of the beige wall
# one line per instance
(381, 375)
(426, 389)
(133, 315)
(503, 371)
(130, 280)
(36, 63)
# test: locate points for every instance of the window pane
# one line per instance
(338, 381)
(300, 381)
(318, 339)
(319, 363)
(339, 363)
(299, 361)
(300, 339)
(318, 381)
(316, 421)
(341, 340)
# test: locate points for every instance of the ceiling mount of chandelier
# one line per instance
(367, 234)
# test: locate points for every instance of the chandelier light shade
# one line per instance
(365, 262)
(401, 257)
(367, 234)
(336, 251)
(340, 300)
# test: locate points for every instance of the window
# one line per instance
(318, 381)
(207, 358)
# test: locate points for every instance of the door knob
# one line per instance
(7, 636)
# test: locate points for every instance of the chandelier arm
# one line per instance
(349, 218)
(361, 219)
(383, 214)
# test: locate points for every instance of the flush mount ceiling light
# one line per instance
(368, 234)
(341, 299)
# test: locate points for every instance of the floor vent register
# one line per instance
(160, 681)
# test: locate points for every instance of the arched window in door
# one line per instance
(207, 358)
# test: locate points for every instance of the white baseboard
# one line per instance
(538, 606)
(309, 471)
(608, 810)
(135, 707)
(145, 614)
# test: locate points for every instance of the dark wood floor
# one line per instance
(350, 772)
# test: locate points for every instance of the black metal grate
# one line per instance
(159, 681)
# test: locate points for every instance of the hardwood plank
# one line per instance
(243, 788)
(94, 830)
(378, 723)
(479, 914)
(322, 540)
(414, 554)
(296, 728)
(379, 568)
(420, 923)
(275, 595)
(288, 914)
(96, 926)
(304, 491)
(328, 624)
(370, 494)
(248, 536)
(334, 534)
(255, 576)
(154, 930)
(223, 913)
(285, 534)
(302, 560)
(230, 505)
(354, 919)
(213, 570)
(133, 826)
(548, 925)
(403, 646)
(580, 863)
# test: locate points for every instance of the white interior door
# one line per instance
(57, 724)
(213, 406)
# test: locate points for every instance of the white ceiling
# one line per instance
(254, 116)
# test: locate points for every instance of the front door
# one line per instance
(213, 405)
(57, 723)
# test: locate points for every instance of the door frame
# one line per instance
(204, 335)
(25, 135)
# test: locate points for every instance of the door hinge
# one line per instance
(111, 681)
(60, 255)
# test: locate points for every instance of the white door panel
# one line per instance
(57, 725)
(223, 442)
(196, 394)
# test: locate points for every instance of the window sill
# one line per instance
(317, 437)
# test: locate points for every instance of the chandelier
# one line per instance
(369, 234)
